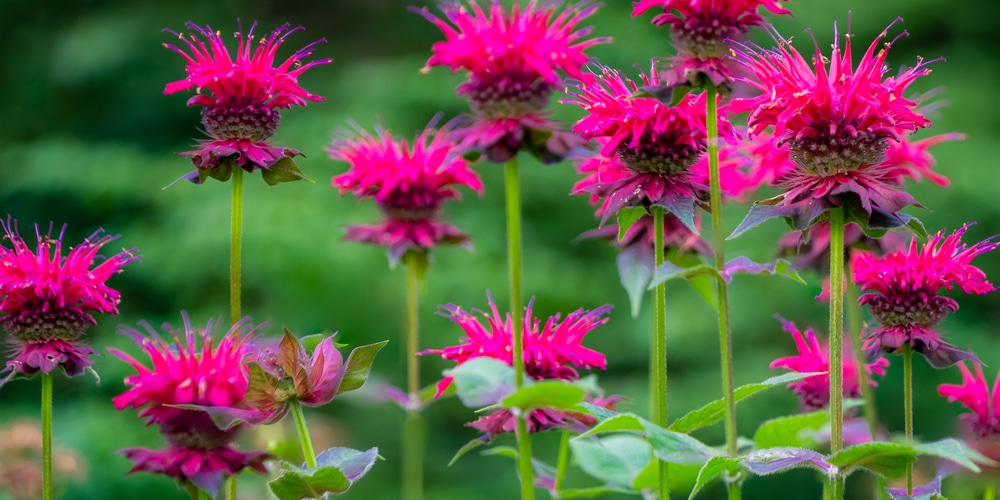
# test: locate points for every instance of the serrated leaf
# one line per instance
(682, 208)
(914, 224)
(283, 170)
(298, 484)
(483, 381)
(545, 394)
(635, 268)
(759, 213)
(886, 459)
(615, 459)
(353, 463)
(712, 468)
(358, 366)
(780, 267)
(713, 412)
(669, 271)
(955, 451)
(626, 217)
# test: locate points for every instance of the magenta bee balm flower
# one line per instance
(903, 295)
(975, 394)
(814, 356)
(838, 120)
(513, 59)
(408, 182)
(196, 370)
(49, 300)
(240, 96)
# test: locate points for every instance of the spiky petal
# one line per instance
(974, 392)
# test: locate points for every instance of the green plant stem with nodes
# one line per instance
(659, 352)
(47, 436)
(908, 409)
(513, 185)
(231, 488)
(836, 341)
(300, 424)
(413, 429)
(988, 493)
(236, 247)
(562, 462)
(722, 288)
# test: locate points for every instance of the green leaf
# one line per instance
(669, 271)
(598, 412)
(710, 470)
(713, 412)
(622, 422)
(483, 381)
(636, 264)
(471, 445)
(793, 430)
(677, 448)
(886, 459)
(956, 451)
(615, 459)
(283, 170)
(914, 224)
(705, 287)
(780, 267)
(594, 492)
(626, 217)
(309, 342)
(297, 484)
(546, 394)
(358, 366)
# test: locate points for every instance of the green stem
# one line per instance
(908, 409)
(47, 436)
(722, 288)
(836, 341)
(203, 495)
(231, 487)
(988, 493)
(236, 247)
(659, 342)
(300, 424)
(562, 462)
(853, 310)
(513, 185)
(413, 429)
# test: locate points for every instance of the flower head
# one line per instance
(49, 299)
(975, 394)
(700, 29)
(903, 295)
(551, 351)
(514, 59)
(837, 120)
(186, 374)
(813, 356)
(243, 94)
(408, 182)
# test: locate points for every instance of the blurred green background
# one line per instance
(89, 139)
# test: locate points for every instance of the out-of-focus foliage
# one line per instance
(87, 138)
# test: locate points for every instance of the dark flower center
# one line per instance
(911, 309)
(658, 154)
(704, 38)
(251, 122)
(507, 95)
(828, 149)
(37, 326)
(195, 429)
(418, 203)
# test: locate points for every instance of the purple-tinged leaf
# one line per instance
(682, 208)
(635, 268)
(337, 469)
(283, 170)
(929, 491)
(759, 213)
(886, 459)
(669, 271)
(225, 417)
(482, 381)
(358, 366)
(353, 463)
(741, 264)
(325, 375)
(771, 460)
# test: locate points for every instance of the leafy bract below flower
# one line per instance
(813, 356)
(48, 299)
(699, 29)
(513, 59)
(974, 392)
(903, 295)
(658, 144)
(551, 351)
(838, 121)
(244, 95)
(184, 373)
(409, 184)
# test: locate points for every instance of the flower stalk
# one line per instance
(413, 428)
(837, 341)
(300, 425)
(659, 342)
(722, 288)
(562, 462)
(46, 436)
(236, 249)
(908, 410)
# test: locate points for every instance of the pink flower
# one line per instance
(814, 356)
(243, 95)
(699, 29)
(182, 373)
(658, 144)
(513, 58)
(974, 393)
(409, 184)
(910, 159)
(551, 351)
(838, 122)
(48, 299)
(903, 295)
